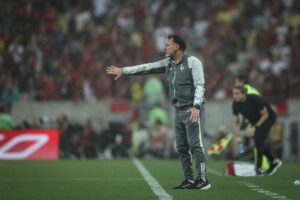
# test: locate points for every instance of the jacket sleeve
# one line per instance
(198, 77)
(148, 68)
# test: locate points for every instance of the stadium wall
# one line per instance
(218, 113)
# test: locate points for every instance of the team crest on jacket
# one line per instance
(181, 67)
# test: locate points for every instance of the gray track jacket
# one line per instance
(186, 79)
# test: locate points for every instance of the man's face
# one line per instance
(238, 96)
(170, 48)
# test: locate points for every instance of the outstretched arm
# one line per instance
(113, 70)
(143, 69)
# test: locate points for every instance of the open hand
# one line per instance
(195, 114)
(115, 71)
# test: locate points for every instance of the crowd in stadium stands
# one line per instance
(58, 50)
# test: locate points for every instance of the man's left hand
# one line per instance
(195, 114)
(250, 131)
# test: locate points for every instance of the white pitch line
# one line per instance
(215, 172)
(253, 187)
(258, 189)
(155, 186)
(81, 179)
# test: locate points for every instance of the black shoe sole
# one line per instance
(204, 188)
(275, 168)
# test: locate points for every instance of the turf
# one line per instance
(120, 179)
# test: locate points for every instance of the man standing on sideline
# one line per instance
(261, 116)
(186, 91)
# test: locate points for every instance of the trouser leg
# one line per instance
(268, 154)
(195, 132)
(182, 146)
(259, 144)
(260, 136)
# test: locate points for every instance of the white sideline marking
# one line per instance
(215, 172)
(81, 179)
(253, 187)
(258, 189)
(155, 186)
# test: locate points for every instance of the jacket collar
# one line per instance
(185, 55)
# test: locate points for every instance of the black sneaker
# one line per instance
(273, 168)
(259, 172)
(186, 184)
(202, 185)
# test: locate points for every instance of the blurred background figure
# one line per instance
(88, 141)
(159, 138)
(6, 120)
(10, 95)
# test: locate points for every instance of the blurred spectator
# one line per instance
(51, 88)
(6, 121)
(100, 9)
(278, 65)
(158, 114)
(88, 91)
(125, 19)
(282, 51)
(137, 90)
(66, 145)
(186, 28)
(121, 142)
(49, 18)
(148, 48)
(88, 142)
(265, 63)
(81, 19)
(16, 50)
(23, 85)
(66, 90)
(200, 28)
(47, 50)
(10, 95)
(103, 86)
(153, 90)
(72, 42)
(160, 141)
(160, 34)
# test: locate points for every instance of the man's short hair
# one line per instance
(241, 88)
(178, 40)
(242, 77)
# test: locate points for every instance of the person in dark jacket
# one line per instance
(261, 116)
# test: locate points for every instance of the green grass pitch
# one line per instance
(120, 179)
